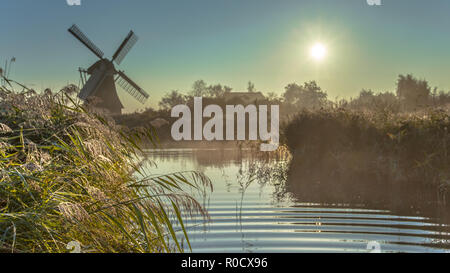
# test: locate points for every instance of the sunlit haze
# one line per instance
(232, 42)
(318, 51)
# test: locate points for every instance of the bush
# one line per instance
(370, 155)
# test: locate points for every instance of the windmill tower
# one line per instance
(103, 75)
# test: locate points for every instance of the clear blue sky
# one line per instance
(232, 41)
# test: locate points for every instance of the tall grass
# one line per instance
(362, 155)
(68, 174)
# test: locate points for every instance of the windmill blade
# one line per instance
(125, 47)
(131, 87)
(75, 31)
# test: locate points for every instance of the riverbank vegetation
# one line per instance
(411, 95)
(390, 143)
(379, 147)
(72, 175)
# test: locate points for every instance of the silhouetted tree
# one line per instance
(251, 87)
(217, 91)
(199, 89)
(368, 100)
(440, 98)
(308, 95)
(412, 93)
(273, 98)
(172, 99)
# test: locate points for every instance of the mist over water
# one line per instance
(261, 206)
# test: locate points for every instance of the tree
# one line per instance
(172, 99)
(218, 91)
(412, 92)
(273, 97)
(364, 100)
(251, 87)
(368, 100)
(308, 95)
(199, 89)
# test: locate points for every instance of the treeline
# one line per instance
(375, 149)
(411, 94)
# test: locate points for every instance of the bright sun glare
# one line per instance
(318, 51)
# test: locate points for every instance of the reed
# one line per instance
(69, 174)
(366, 152)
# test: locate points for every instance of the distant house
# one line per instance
(244, 97)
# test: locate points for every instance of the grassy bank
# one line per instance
(348, 155)
(71, 175)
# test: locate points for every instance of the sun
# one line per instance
(318, 51)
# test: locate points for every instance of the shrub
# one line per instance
(369, 154)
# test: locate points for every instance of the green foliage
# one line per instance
(72, 175)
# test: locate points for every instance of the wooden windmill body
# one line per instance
(100, 88)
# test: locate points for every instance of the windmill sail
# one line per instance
(101, 85)
(75, 31)
(131, 87)
(125, 47)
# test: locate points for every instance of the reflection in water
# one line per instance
(257, 207)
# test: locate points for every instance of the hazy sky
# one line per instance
(231, 42)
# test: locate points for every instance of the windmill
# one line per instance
(103, 75)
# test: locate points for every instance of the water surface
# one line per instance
(251, 214)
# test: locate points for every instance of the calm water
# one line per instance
(251, 214)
